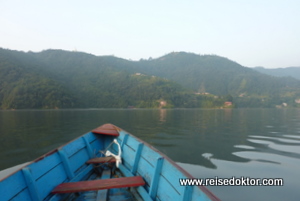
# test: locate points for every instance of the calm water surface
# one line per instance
(256, 143)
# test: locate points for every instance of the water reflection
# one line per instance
(162, 115)
(183, 134)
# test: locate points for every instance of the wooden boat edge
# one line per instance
(42, 156)
(188, 175)
(183, 171)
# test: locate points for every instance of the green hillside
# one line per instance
(214, 74)
(221, 76)
(63, 79)
(24, 85)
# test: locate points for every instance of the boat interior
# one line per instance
(105, 164)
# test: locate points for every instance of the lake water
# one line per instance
(256, 143)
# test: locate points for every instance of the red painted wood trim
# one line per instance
(107, 129)
(100, 184)
(108, 159)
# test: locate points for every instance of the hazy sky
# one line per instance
(252, 33)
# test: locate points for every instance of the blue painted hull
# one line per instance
(67, 163)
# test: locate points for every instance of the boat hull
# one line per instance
(68, 163)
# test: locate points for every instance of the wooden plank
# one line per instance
(141, 190)
(88, 146)
(79, 177)
(156, 177)
(78, 159)
(102, 194)
(50, 180)
(137, 158)
(169, 182)
(108, 159)
(165, 186)
(12, 186)
(66, 163)
(147, 166)
(97, 144)
(145, 170)
(31, 184)
(99, 184)
(23, 195)
(107, 129)
(128, 156)
(73, 147)
(124, 141)
(148, 153)
(188, 191)
(43, 166)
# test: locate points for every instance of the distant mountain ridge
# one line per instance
(281, 72)
(63, 79)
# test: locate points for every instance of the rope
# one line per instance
(106, 152)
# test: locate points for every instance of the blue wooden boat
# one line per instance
(107, 163)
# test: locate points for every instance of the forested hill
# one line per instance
(24, 84)
(215, 74)
(218, 75)
(63, 79)
(281, 72)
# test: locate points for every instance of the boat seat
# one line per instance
(108, 159)
(100, 184)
